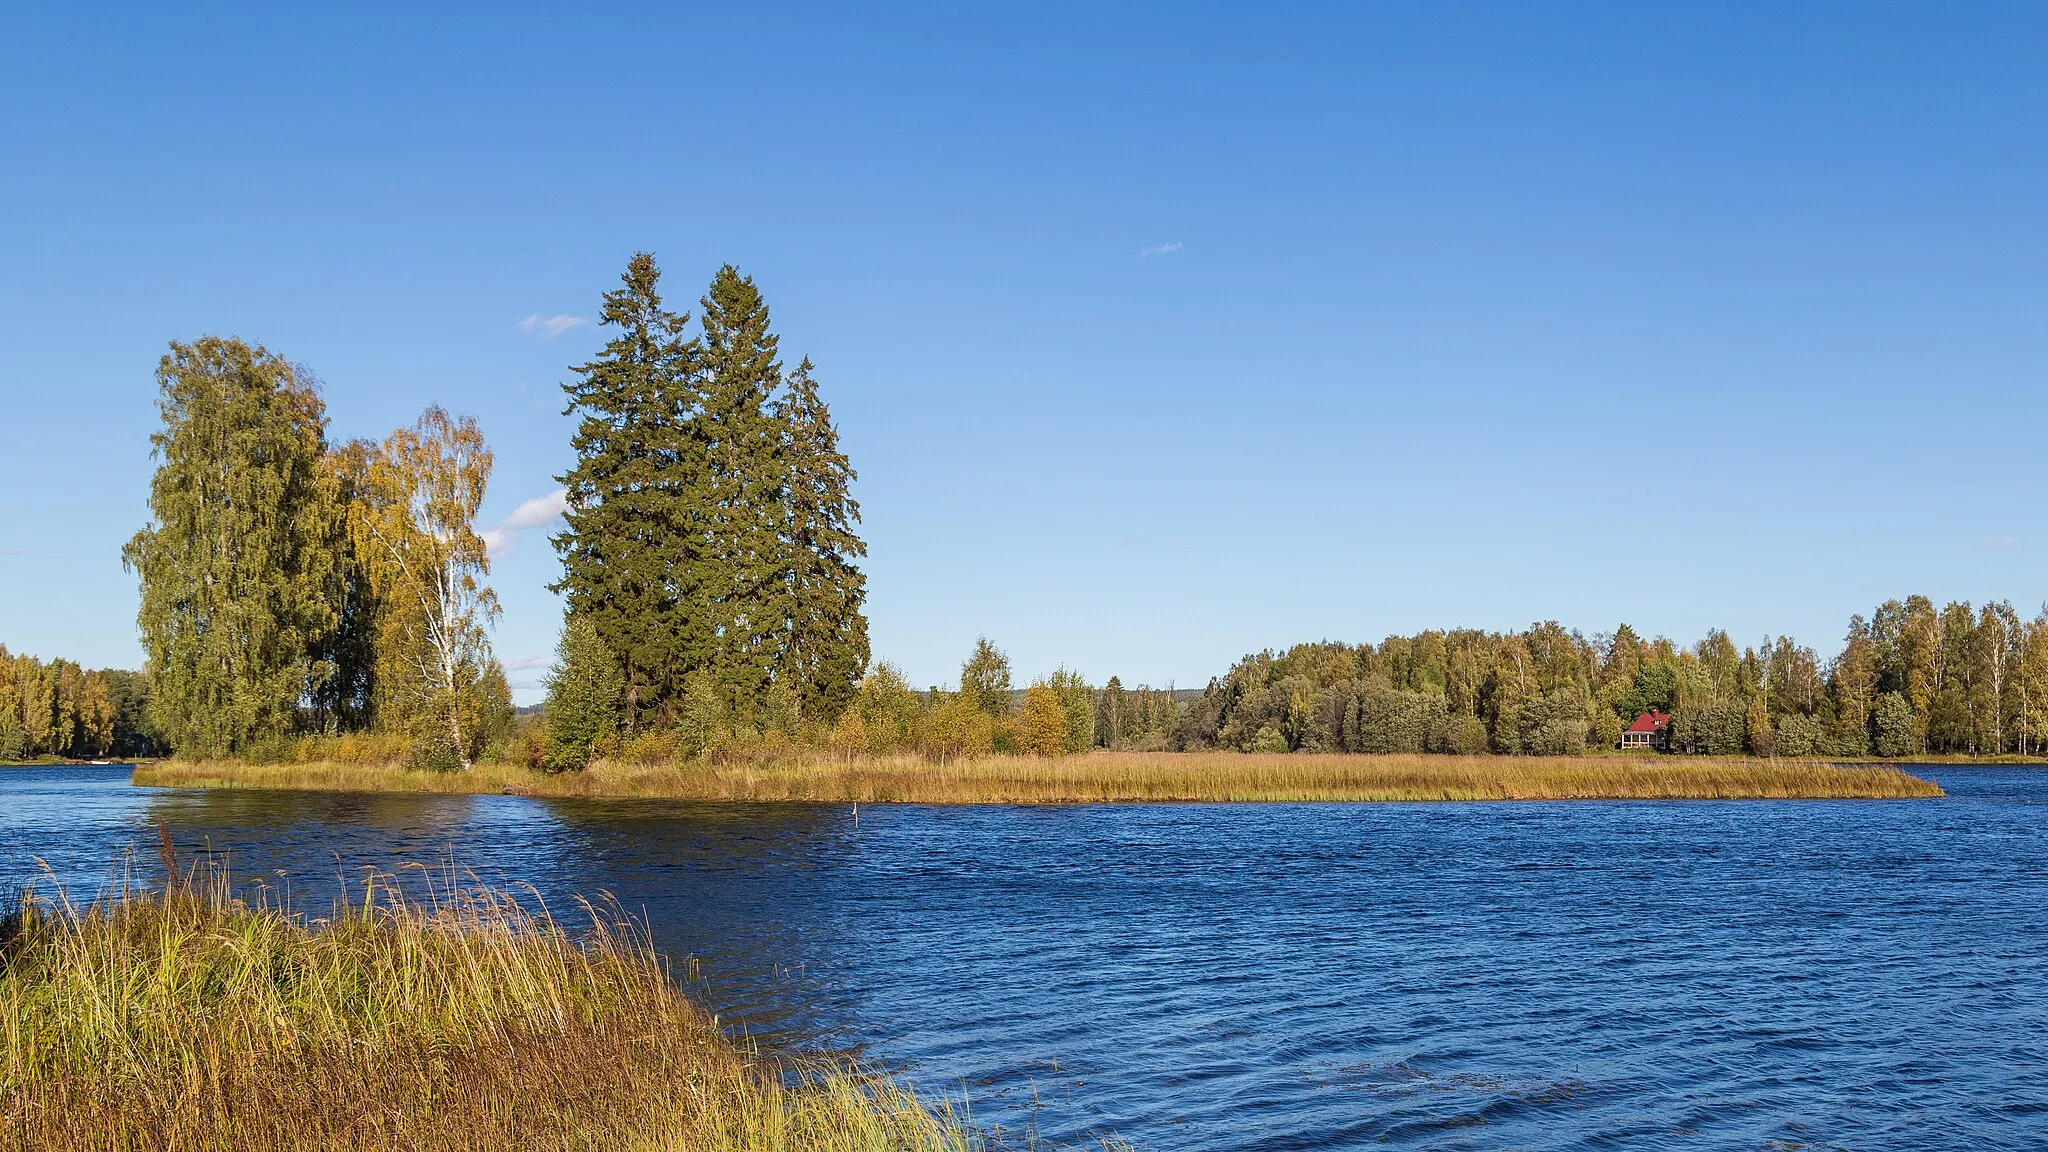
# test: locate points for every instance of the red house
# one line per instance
(1647, 731)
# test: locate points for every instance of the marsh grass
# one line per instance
(1112, 777)
(467, 1018)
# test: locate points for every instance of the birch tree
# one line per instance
(414, 529)
(238, 558)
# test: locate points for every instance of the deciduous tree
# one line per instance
(415, 531)
(238, 562)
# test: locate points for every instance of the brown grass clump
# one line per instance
(472, 1020)
(1114, 777)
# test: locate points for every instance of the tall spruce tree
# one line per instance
(825, 647)
(742, 568)
(239, 564)
(710, 524)
(633, 549)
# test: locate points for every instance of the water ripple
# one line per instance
(1451, 976)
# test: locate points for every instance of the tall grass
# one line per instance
(465, 1019)
(1114, 776)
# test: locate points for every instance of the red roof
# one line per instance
(1650, 722)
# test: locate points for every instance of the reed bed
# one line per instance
(467, 1019)
(1107, 777)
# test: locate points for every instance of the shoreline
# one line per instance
(1104, 777)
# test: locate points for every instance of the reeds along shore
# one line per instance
(186, 1019)
(1109, 777)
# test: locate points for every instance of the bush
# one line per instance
(1268, 739)
(657, 746)
(433, 756)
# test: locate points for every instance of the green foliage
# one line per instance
(242, 563)
(412, 526)
(1041, 723)
(985, 678)
(1654, 688)
(1894, 721)
(61, 709)
(1969, 680)
(1077, 701)
(883, 716)
(710, 520)
(826, 647)
(1802, 736)
(1137, 719)
(1761, 733)
(1267, 739)
(585, 695)
(1555, 724)
(1606, 729)
(631, 566)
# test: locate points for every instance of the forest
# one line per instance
(1909, 679)
(58, 709)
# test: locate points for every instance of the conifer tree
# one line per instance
(710, 522)
(633, 548)
(741, 569)
(584, 696)
(825, 648)
(238, 562)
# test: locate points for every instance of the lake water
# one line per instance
(1777, 975)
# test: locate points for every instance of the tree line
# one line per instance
(294, 587)
(1909, 679)
(61, 709)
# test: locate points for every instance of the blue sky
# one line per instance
(1158, 333)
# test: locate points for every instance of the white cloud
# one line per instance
(529, 663)
(535, 513)
(552, 326)
(1166, 249)
(2000, 543)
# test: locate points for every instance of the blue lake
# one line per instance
(1623, 975)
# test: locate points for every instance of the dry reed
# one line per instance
(468, 1019)
(1112, 777)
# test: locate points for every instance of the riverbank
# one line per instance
(1107, 777)
(192, 1020)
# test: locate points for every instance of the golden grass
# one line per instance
(470, 1020)
(1111, 777)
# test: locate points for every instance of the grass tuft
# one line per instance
(189, 1019)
